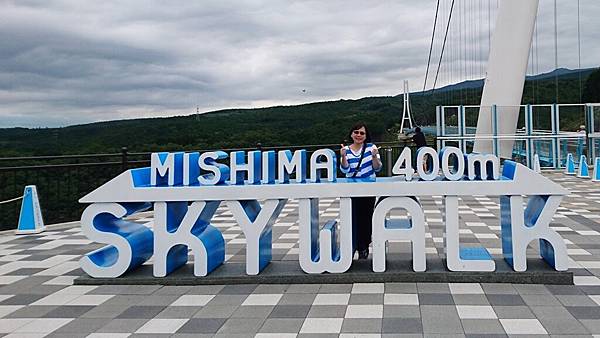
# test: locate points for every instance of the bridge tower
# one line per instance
(406, 116)
(506, 71)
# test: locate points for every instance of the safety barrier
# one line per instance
(62, 180)
(549, 130)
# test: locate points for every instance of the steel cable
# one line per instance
(443, 46)
(437, 9)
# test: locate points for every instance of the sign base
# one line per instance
(289, 272)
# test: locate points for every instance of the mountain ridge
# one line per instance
(310, 123)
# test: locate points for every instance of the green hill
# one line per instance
(314, 123)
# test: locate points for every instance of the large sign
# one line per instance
(185, 190)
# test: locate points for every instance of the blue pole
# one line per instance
(495, 128)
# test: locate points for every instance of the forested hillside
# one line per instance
(314, 123)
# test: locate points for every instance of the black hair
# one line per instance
(357, 126)
(417, 129)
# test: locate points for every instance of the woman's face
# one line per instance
(359, 135)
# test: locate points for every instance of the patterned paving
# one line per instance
(37, 297)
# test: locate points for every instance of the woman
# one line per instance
(361, 160)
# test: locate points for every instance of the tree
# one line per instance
(591, 92)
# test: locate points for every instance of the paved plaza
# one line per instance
(38, 298)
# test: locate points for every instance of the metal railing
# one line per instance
(541, 130)
(62, 180)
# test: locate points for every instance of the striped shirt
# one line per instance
(366, 167)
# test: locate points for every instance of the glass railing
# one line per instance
(519, 132)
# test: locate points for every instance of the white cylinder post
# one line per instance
(506, 70)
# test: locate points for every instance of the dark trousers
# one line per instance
(362, 222)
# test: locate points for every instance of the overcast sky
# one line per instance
(65, 62)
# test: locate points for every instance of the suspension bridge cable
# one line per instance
(443, 70)
(537, 55)
(461, 57)
(452, 43)
(473, 44)
(443, 46)
(478, 25)
(489, 25)
(437, 9)
(468, 44)
(474, 47)
(579, 49)
(444, 66)
(535, 62)
(450, 62)
(555, 51)
(531, 71)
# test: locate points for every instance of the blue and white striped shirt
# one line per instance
(366, 167)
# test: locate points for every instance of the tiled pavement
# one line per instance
(37, 297)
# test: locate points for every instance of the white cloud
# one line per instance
(64, 62)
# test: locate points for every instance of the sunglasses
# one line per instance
(358, 132)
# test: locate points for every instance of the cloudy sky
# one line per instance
(65, 62)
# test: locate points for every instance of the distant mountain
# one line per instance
(312, 123)
(563, 73)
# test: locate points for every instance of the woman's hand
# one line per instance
(343, 151)
(375, 151)
(376, 161)
(343, 157)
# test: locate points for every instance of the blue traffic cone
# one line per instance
(596, 177)
(584, 171)
(570, 165)
(30, 219)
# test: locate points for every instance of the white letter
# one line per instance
(177, 228)
(459, 163)
(397, 229)
(256, 223)
(191, 171)
(319, 250)
(462, 259)
(406, 159)
(520, 227)
(166, 164)
(268, 167)
(208, 162)
(434, 160)
(479, 166)
(128, 242)
(330, 165)
(289, 164)
(238, 166)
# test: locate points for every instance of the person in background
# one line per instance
(361, 160)
(581, 141)
(420, 141)
(419, 138)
